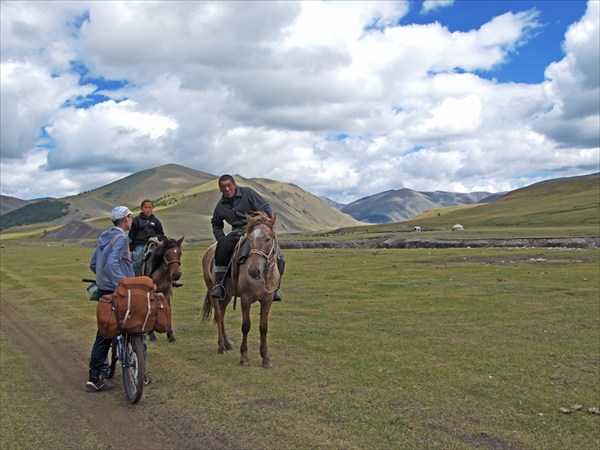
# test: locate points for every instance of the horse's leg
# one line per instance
(264, 326)
(226, 342)
(244, 361)
(220, 326)
(170, 335)
(168, 296)
(152, 336)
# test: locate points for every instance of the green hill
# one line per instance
(567, 204)
(553, 203)
(184, 202)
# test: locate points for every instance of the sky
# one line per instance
(344, 99)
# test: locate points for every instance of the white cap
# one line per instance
(119, 212)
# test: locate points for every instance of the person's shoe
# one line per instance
(95, 386)
(218, 291)
(177, 284)
(147, 379)
(277, 297)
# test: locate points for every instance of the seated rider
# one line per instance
(232, 208)
(145, 228)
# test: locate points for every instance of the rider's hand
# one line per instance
(153, 239)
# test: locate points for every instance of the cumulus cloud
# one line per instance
(430, 5)
(572, 115)
(336, 97)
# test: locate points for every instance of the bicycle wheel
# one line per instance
(134, 367)
(114, 357)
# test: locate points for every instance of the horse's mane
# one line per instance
(259, 218)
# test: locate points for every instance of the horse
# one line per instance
(165, 267)
(253, 279)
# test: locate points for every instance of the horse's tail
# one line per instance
(206, 308)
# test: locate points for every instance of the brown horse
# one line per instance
(254, 279)
(166, 268)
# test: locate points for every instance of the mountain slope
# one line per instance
(184, 202)
(402, 204)
(560, 202)
(8, 204)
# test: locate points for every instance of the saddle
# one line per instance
(150, 260)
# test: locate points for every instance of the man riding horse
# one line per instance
(232, 208)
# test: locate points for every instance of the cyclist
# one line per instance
(111, 262)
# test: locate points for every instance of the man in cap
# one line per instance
(111, 262)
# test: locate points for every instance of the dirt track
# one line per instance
(116, 423)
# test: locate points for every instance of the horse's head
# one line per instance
(261, 236)
(172, 256)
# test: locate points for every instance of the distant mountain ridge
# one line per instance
(402, 204)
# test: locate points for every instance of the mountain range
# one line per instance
(184, 200)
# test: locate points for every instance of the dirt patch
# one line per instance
(73, 230)
(116, 423)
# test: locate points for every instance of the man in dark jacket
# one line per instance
(232, 208)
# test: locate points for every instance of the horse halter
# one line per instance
(174, 261)
(254, 251)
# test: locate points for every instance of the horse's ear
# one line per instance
(180, 241)
(165, 239)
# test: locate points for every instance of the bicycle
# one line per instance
(129, 349)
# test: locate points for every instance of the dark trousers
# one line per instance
(225, 248)
(99, 353)
(99, 350)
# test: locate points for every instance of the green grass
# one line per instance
(425, 348)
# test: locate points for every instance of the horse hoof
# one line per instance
(267, 364)
(152, 338)
(172, 340)
(228, 347)
(221, 351)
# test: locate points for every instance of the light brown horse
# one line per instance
(166, 268)
(255, 279)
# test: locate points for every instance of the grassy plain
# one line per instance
(373, 349)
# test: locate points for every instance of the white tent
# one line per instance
(458, 227)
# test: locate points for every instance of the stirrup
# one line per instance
(218, 291)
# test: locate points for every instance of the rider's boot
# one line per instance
(281, 266)
(218, 291)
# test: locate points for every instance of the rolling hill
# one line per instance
(565, 202)
(8, 204)
(184, 201)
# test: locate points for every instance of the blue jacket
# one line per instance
(111, 260)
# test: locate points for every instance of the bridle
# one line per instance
(268, 256)
(174, 261)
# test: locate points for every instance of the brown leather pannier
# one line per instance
(163, 314)
(135, 305)
(106, 316)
